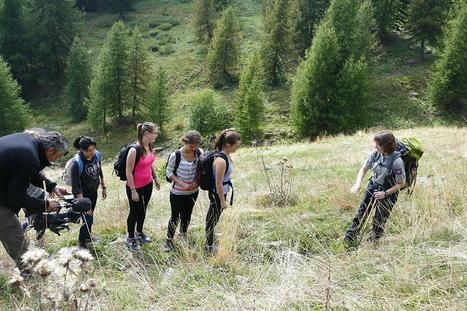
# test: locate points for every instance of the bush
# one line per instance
(207, 115)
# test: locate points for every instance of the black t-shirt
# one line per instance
(89, 180)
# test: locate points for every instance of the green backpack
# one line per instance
(411, 150)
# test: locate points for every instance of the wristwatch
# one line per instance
(385, 193)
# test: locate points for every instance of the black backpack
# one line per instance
(204, 173)
(120, 164)
(178, 158)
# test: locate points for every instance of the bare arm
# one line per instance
(358, 183)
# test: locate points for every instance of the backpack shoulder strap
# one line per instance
(224, 156)
(178, 159)
(80, 164)
(98, 156)
(138, 151)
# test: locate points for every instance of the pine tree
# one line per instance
(448, 86)
(390, 15)
(304, 15)
(223, 54)
(275, 44)
(13, 36)
(249, 101)
(115, 68)
(97, 104)
(204, 15)
(53, 25)
(426, 20)
(329, 92)
(139, 70)
(14, 114)
(159, 100)
(314, 84)
(78, 76)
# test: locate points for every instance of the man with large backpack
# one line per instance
(393, 170)
(22, 158)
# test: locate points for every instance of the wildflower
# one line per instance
(83, 254)
(33, 256)
(65, 255)
(43, 268)
(16, 281)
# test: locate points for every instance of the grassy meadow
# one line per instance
(289, 257)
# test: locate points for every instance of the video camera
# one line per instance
(71, 209)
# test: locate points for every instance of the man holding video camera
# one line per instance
(22, 158)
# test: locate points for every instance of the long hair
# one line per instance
(192, 137)
(387, 141)
(227, 137)
(143, 128)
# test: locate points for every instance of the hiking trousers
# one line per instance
(212, 218)
(182, 208)
(138, 209)
(12, 235)
(85, 230)
(382, 209)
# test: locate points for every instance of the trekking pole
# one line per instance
(364, 222)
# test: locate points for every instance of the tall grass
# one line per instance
(292, 257)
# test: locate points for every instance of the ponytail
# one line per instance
(141, 128)
(227, 137)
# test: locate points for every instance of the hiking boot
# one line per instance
(143, 238)
(374, 238)
(183, 236)
(168, 246)
(132, 244)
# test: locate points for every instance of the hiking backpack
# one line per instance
(204, 172)
(411, 150)
(178, 158)
(69, 164)
(120, 164)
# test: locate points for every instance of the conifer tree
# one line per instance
(390, 15)
(249, 101)
(122, 7)
(115, 68)
(304, 15)
(97, 104)
(275, 44)
(139, 70)
(204, 15)
(329, 92)
(53, 24)
(223, 54)
(448, 86)
(78, 76)
(159, 100)
(13, 110)
(426, 20)
(13, 37)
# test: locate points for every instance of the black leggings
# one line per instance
(85, 230)
(382, 208)
(214, 213)
(138, 209)
(182, 207)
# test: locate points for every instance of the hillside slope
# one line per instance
(291, 257)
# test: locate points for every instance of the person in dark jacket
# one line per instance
(22, 158)
(84, 184)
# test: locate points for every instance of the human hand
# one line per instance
(53, 206)
(60, 191)
(224, 205)
(183, 185)
(158, 184)
(379, 195)
(355, 188)
(104, 193)
(134, 196)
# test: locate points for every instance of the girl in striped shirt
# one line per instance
(181, 169)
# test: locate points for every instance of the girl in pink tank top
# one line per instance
(140, 175)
